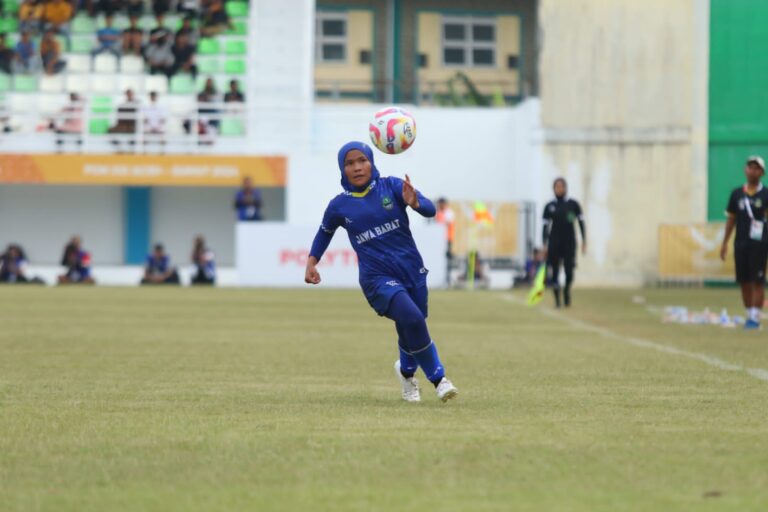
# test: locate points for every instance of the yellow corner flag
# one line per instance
(537, 291)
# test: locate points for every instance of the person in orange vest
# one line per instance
(446, 217)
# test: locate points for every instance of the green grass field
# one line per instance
(220, 399)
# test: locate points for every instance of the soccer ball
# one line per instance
(393, 130)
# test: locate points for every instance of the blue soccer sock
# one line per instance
(408, 364)
(430, 363)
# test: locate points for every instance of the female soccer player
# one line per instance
(392, 273)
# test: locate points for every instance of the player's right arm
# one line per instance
(320, 243)
(729, 224)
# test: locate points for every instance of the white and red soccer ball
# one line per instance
(393, 130)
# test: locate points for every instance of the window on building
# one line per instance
(469, 41)
(331, 37)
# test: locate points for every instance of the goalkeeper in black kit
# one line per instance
(560, 239)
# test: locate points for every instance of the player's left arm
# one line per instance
(416, 200)
(582, 227)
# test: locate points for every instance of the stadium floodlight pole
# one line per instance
(389, 67)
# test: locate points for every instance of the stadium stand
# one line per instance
(30, 97)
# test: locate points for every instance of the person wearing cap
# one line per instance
(158, 269)
(747, 210)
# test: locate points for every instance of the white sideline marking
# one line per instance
(758, 373)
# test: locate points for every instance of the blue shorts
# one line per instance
(380, 292)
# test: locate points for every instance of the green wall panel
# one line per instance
(738, 94)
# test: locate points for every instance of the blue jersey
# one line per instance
(157, 265)
(377, 224)
(248, 205)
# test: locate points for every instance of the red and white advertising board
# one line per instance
(275, 254)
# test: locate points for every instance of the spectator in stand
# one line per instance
(234, 95)
(215, 19)
(13, 265)
(108, 39)
(161, 7)
(26, 61)
(209, 116)
(7, 56)
(57, 14)
(204, 263)
(31, 16)
(158, 269)
(154, 119)
(126, 119)
(188, 30)
(78, 264)
(108, 7)
(184, 56)
(134, 8)
(50, 53)
(248, 201)
(160, 30)
(133, 38)
(159, 56)
(190, 8)
(69, 122)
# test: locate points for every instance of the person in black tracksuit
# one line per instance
(748, 213)
(560, 239)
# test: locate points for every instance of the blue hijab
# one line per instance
(368, 152)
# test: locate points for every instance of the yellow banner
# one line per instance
(693, 251)
(143, 170)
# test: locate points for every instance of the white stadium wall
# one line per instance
(42, 218)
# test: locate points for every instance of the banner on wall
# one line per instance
(143, 170)
(275, 254)
(693, 251)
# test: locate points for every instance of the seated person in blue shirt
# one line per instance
(203, 260)
(158, 269)
(109, 39)
(12, 265)
(248, 201)
(78, 263)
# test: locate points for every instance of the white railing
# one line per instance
(22, 119)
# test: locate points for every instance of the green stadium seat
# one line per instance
(182, 84)
(25, 83)
(237, 9)
(232, 127)
(5, 82)
(83, 24)
(234, 67)
(235, 47)
(241, 28)
(208, 46)
(82, 44)
(10, 6)
(9, 25)
(98, 126)
(208, 66)
(101, 104)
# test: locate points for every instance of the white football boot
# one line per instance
(411, 391)
(446, 390)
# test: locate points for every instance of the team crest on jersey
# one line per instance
(571, 217)
(386, 202)
(758, 203)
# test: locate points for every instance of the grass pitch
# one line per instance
(219, 399)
